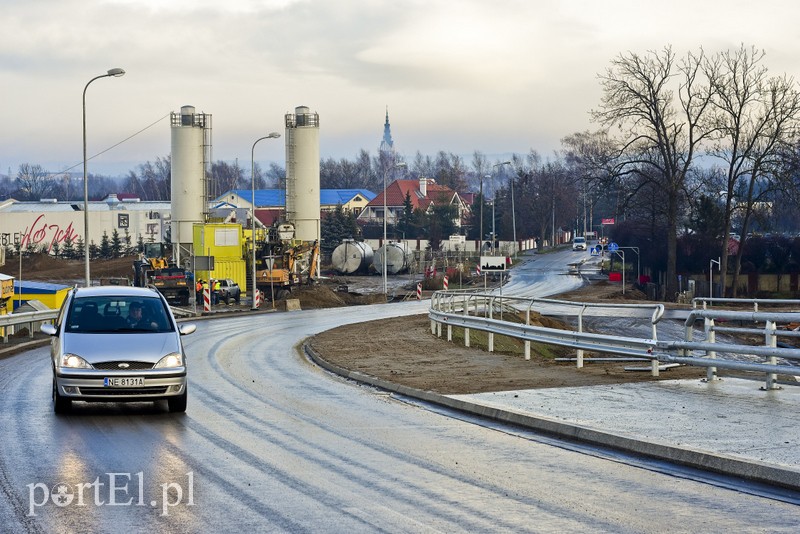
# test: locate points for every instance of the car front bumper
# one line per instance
(90, 385)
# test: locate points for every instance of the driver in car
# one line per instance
(136, 319)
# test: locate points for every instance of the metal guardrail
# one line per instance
(10, 322)
(471, 310)
(706, 302)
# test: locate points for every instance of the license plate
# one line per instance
(124, 382)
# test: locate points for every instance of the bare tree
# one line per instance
(34, 183)
(661, 133)
(756, 118)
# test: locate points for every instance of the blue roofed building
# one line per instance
(352, 200)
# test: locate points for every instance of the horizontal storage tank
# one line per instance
(352, 257)
(398, 258)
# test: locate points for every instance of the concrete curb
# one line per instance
(708, 461)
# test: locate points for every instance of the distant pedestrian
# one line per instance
(215, 286)
(198, 288)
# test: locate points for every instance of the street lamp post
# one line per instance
(273, 135)
(385, 248)
(494, 199)
(513, 218)
(116, 73)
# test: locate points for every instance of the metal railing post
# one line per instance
(711, 337)
(771, 340)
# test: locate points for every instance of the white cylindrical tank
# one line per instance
(302, 173)
(399, 257)
(352, 257)
(188, 192)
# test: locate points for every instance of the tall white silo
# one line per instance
(302, 173)
(191, 141)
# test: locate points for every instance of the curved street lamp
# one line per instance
(385, 216)
(272, 135)
(115, 73)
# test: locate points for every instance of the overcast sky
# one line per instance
(499, 76)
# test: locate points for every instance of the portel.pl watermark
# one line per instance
(112, 489)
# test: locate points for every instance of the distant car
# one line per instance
(117, 344)
(579, 243)
(229, 290)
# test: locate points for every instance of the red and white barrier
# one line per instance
(419, 290)
(445, 282)
(206, 299)
(478, 269)
(257, 303)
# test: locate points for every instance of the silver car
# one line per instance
(117, 344)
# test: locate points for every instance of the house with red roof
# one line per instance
(424, 194)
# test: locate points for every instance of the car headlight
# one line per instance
(170, 360)
(73, 361)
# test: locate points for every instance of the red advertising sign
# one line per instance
(607, 221)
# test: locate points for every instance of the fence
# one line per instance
(480, 311)
(8, 323)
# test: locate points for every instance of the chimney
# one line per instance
(423, 186)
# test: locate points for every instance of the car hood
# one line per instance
(144, 347)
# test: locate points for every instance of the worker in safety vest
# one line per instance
(198, 289)
(215, 292)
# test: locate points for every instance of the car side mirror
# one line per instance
(186, 329)
(49, 329)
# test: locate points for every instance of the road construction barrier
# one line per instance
(445, 282)
(419, 291)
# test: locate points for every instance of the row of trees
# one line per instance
(111, 246)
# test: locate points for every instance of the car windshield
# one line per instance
(118, 314)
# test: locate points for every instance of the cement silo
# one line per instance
(191, 142)
(399, 258)
(352, 257)
(302, 173)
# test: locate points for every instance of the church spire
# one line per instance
(387, 145)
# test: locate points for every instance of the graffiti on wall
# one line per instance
(40, 233)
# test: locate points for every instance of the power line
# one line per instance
(116, 144)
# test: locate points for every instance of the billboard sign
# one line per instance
(493, 263)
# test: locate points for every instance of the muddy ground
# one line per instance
(405, 351)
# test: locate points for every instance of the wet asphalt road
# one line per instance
(272, 443)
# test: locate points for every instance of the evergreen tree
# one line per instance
(93, 250)
(405, 225)
(80, 248)
(127, 243)
(116, 244)
(68, 250)
(336, 226)
(105, 247)
(56, 250)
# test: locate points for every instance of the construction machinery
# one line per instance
(285, 263)
(155, 268)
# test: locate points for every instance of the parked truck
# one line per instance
(154, 268)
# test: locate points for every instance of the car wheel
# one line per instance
(238, 298)
(178, 404)
(61, 404)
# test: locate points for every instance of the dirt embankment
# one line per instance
(404, 351)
